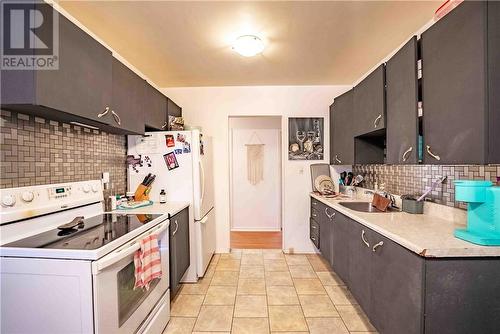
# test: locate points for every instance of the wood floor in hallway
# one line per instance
(255, 240)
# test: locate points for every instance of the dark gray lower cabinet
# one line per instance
(179, 249)
(462, 296)
(359, 264)
(403, 292)
(340, 248)
(396, 284)
(327, 217)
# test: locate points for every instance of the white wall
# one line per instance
(210, 107)
(255, 207)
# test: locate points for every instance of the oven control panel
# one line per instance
(31, 201)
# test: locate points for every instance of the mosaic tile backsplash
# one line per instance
(37, 151)
(413, 179)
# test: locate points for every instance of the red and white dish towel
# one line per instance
(147, 262)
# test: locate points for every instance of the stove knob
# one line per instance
(27, 196)
(94, 188)
(86, 188)
(8, 200)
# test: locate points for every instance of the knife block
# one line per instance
(142, 193)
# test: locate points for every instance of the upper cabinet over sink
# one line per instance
(461, 85)
(402, 114)
(369, 103)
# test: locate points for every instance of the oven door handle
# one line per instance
(128, 250)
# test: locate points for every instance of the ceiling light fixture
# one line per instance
(248, 45)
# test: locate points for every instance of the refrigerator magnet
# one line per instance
(134, 162)
(178, 151)
(186, 147)
(171, 161)
(181, 138)
(170, 140)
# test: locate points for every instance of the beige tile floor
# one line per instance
(265, 291)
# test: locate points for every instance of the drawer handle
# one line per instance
(377, 120)
(116, 117)
(164, 125)
(337, 160)
(407, 153)
(380, 244)
(363, 237)
(328, 215)
(104, 113)
(435, 156)
(176, 227)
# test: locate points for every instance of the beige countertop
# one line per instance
(168, 208)
(429, 234)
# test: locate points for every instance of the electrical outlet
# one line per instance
(105, 177)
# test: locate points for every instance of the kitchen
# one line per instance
(109, 116)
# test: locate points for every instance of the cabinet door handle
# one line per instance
(116, 117)
(407, 153)
(314, 215)
(314, 203)
(328, 215)
(313, 227)
(363, 237)
(313, 238)
(380, 244)
(337, 160)
(176, 227)
(435, 156)
(104, 113)
(164, 125)
(377, 120)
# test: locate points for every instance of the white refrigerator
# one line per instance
(183, 164)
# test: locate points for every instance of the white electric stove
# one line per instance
(78, 279)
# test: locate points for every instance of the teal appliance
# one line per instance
(483, 212)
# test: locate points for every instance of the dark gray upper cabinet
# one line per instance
(155, 109)
(341, 130)
(402, 99)
(179, 249)
(81, 87)
(127, 107)
(461, 80)
(369, 102)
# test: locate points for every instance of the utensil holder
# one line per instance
(413, 206)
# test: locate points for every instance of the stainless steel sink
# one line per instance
(363, 207)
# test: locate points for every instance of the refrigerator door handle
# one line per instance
(204, 220)
(202, 182)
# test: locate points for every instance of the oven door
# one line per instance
(118, 308)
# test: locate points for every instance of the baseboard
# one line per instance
(255, 230)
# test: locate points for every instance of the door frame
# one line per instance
(281, 171)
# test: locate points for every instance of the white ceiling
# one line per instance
(186, 43)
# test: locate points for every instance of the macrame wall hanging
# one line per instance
(255, 159)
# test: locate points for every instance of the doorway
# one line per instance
(255, 182)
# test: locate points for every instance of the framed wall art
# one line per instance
(305, 138)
